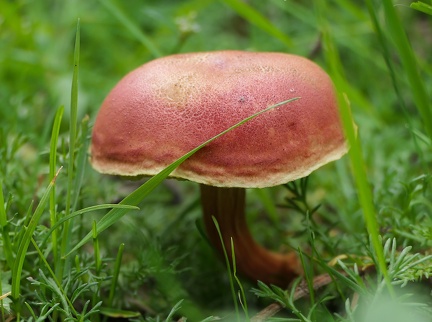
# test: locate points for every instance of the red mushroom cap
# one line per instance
(166, 107)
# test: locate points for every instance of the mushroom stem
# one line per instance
(227, 205)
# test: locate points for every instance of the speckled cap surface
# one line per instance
(170, 105)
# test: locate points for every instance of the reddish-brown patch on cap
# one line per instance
(166, 107)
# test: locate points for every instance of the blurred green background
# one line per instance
(36, 64)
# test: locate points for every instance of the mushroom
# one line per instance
(168, 106)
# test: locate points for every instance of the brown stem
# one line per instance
(227, 205)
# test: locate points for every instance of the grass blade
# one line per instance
(270, 208)
(241, 292)
(355, 153)
(83, 211)
(391, 68)
(228, 266)
(115, 274)
(26, 239)
(132, 28)
(173, 311)
(256, 18)
(73, 121)
(409, 62)
(81, 161)
(4, 225)
(65, 245)
(54, 279)
(139, 194)
(52, 173)
(421, 6)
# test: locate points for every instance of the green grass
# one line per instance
(79, 246)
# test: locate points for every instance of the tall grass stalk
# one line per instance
(7, 246)
(56, 281)
(410, 64)
(4, 225)
(68, 226)
(392, 71)
(131, 27)
(52, 173)
(98, 264)
(241, 292)
(229, 270)
(358, 165)
(264, 196)
(25, 240)
(81, 160)
(116, 274)
(254, 17)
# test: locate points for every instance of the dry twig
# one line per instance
(300, 291)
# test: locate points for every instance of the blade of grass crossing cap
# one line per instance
(139, 194)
